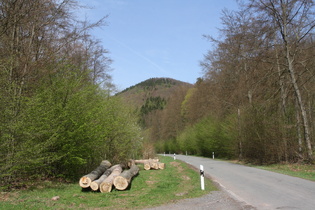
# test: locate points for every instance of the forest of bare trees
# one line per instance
(255, 101)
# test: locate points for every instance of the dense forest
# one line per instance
(59, 117)
(255, 100)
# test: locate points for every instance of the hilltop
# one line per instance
(163, 88)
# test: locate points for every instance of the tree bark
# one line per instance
(146, 160)
(131, 162)
(154, 165)
(95, 185)
(299, 99)
(86, 180)
(122, 181)
(283, 94)
(299, 133)
(161, 165)
(106, 185)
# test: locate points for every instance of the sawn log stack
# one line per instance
(106, 176)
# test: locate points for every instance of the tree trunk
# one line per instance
(106, 185)
(131, 162)
(96, 184)
(86, 180)
(299, 133)
(146, 160)
(155, 165)
(301, 106)
(122, 181)
(149, 163)
(283, 94)
(161, 165)
(240, 146)
(290, 57)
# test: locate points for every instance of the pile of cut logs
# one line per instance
(149, 164)
(105, 176)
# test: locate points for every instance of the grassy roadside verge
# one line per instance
(150, 188)
(304, 171)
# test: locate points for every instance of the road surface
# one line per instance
(258, 188)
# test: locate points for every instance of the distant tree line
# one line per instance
(152, 83)
(57, 119)
(256, 100)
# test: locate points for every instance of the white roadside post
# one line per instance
(164, 154)
(174, 156)
(212, 155)
(202, 177)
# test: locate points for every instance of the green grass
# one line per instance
(150, 188)
(304, 171)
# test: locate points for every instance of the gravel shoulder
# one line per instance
(216, 200)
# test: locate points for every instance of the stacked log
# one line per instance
(95, 185)
(151, 164)
(104, 177)
(107, 184)
(86, 180)
(146, 160)
(122, 181)
(162, 166)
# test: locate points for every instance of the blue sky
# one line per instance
(156, 38)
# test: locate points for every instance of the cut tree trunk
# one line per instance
(154, 165)
(146, 160)
(149, 163)
(157, 165)
(95, 185)
(107, 184)
(131, 162)
(122, 181)
(86, 180)
(161, 165)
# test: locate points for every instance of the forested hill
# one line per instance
(163, 88)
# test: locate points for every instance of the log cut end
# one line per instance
(85, 182)
(106, 163)
(161, 165)
(121, 183)
(94, 186)
(106, 187)
(146, 166)
(154, 165)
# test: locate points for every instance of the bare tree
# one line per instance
(293, 21)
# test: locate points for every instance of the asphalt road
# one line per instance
(257, 188)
